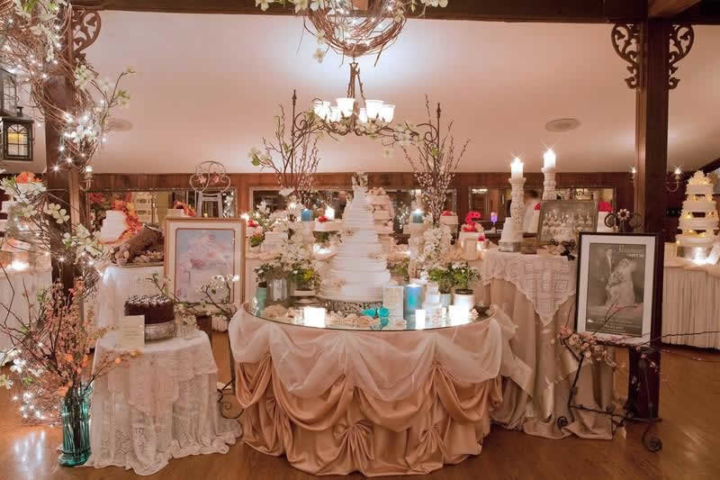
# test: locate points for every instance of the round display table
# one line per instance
(382, 402)
(159, 405)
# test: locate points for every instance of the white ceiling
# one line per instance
(209, 85)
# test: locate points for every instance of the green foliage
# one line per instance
(443, 277)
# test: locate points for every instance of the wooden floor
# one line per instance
(690, 431)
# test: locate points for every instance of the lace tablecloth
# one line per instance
(157, 406)
(21, 282)
(116, 286)
(382, 403)
(691, 304)
(547, 281)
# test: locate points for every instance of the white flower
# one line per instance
(254, 152)
(264, 4)
(83, 76)
(317, 4)
(320, 37)
(5, 382)
(319, 55)
(286, 191)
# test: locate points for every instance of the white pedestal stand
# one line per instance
(512, 233)
(549, 184)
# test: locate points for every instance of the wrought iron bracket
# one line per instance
(682, 39)
(626, 42)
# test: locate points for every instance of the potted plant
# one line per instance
(274, 277)
(444, 278)
(303, 278)
(401, 271)
(463, 275)
(256, 240)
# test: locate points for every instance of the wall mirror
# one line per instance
(150, 206)
(404, 200)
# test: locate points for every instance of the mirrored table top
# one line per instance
(315, 316)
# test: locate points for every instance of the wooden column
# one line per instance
(650, 192)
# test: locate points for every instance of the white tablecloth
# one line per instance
(157, 406)
(21, 282)
(691, 304)
(546, 280)
(117, 285)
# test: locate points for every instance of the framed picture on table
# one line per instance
(617, 276)
(198, 249)
(558, 215)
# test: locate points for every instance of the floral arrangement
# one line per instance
(100, 203)
(472, 217)
(305, 277)
(447, 213)
(538, 206)
(463, 275)
(323, 219)
(252, 223)
(24, 178)
(50, 352)
(443, 276)
(605, 207)
(189, 211)
(257, 239)
(401, 269)
(438, 243)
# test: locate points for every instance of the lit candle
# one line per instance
(550, 159)
(420, 316)
(413, 300)
(330, 213)
(678, 172)
(314, 317)
(306, 215)
(417, 216)
(88, 169)
(516, 168)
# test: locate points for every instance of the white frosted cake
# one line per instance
(699, 219)
(358, 271)
(383, 214)
(432, 301)
(113, 226)
(328, 225)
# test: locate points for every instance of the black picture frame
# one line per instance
(623, 328)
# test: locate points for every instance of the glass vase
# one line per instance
(75, 412)
(277, 292)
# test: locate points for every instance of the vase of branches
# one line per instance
(75, 414)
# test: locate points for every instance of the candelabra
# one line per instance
(549, 184)
(512, 233)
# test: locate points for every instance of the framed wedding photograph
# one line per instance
(616, 285)
(558, 215)
(198, 249)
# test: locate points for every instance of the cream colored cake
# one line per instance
(699, 219)
(113, 226)
(358, 271)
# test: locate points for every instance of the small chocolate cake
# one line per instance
(155, 308)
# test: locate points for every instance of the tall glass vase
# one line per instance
(278, 292)
(75, 413)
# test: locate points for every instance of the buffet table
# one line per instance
(30, 282)
(691, 304)
(382, 402)
(538, 293)
(117, 285)
(157, 406)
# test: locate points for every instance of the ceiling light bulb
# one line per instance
(335, 114)
(363, 117)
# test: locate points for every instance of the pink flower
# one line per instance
(537, 206)
(604, 207)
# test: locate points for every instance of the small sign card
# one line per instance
(393, 296)
(132, 332)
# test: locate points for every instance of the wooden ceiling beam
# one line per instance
(669, 8)
(565, 11)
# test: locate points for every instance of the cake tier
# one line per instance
(155, 308)
(699, 206)
(699, 189)
(449, 220)
(383, 230)
(175, 213)
(378, 199)
(696, 241)
(356, 287)
(114, 216)
(381, 215)
(699, 223)
(329, 226)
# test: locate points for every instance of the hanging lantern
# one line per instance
(17, 137)
(8, 87)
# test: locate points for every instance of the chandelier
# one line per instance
(349, 116)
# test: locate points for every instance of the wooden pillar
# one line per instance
(650, 188)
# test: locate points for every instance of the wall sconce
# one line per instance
(672, 187)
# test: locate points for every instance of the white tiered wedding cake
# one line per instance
(699, 219)
(358, 271)
(113, 226)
